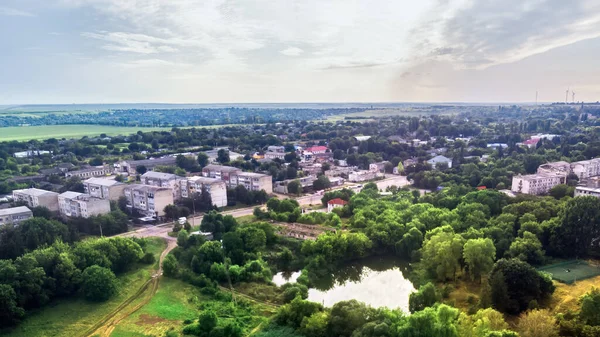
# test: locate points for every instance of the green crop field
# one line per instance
(22, 133)
(73, 316)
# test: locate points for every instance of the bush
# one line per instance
(148, 258)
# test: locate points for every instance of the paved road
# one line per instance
(162, 230)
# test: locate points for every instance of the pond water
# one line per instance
(377, 281)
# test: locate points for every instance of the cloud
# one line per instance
(292, 51)
(134, 43)
(479, 34)
(14, 12)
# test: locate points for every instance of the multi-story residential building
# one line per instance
(378, 167)
(35, 197)
(274, 155)
(252, 181)
(148, 200)
(582, 191)
(555, 167)
(216, 187)
(275, 148)
(586, 168)
(90, 172)
(305, 183)
(219, 171)
(14, 215)
(75, 204)
(103, 188)
(537, 184)
(130, 166)
(166, 180)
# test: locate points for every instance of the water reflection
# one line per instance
(377, 281)
(284, 277)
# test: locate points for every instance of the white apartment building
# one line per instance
(582, 191)
(586, 168)
(362, 175)
(75, 204)
(14, 215)
(35, 197)
(148, 200)
(252, 181)
(160, 179)
(216, 187)
(90, 172)
(537, 184)
(219, 171)
(103, 188)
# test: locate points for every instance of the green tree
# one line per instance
(294, 187)
(99, 283)
(10, 312)
(202, 159)
(182, 238)
(96, 161)
(527, 248)
(347, 316)
(208, 320)
(223, 156)
(170, 266)
(425, 297)
(481, 323)
(141, 169)
(537, 323)
(578, 227)
(590, 307)
(321, 183)
(479, 255)
(441, 254)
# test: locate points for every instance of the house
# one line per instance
(14, 215)
(89, 172)
(215, 187)
(103, 188)
(336, 181)
(29, 154)
(35, 197)
(378, 167)
(437, 160)
(160, 179)
(362, 138)
(497, 145)
(358, 176)
(316, 149)
(536, 184)
(335, 203)
(148, 200)
(410, 162)
(75, 204)
(531, 143)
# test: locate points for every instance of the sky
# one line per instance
(205, 51)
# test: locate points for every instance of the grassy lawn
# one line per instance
(73, 316)
(174, 302)
(246, 219)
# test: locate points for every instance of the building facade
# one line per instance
(166, 180)
(219, 171)
(536, 184)
(90, 172)
(103, 188)
(75, 204)
(148, 200)
(252, 181)
(130, 166)
(215, 187)
(35, 197)
(359, 176)
(14, 215)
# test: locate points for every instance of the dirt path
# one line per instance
(106, 326)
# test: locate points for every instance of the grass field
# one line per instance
(66, 131)
(73, 316)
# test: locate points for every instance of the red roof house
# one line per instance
(334, 203)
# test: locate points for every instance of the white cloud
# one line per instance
(292, 51)
(14, 12)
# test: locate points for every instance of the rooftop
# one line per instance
(34, 191)
(204, 180)
(70, 195)
(316, 148)
(147, 188)
(337, 201)
(14, 210)
(153, 161)
(160, 175)
(252, 174)
(221, 168)
(102, 182)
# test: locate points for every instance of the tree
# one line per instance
(425, 297)
(479, 255)
(441, 254)
(481, 323)
(208, 321)
(590, 307)
(182, 238)
(537, 323)
(141, 169)
(527, 248)
(96, 161)
(515, 284)
(578, 227)
(400, 168)
(347, 316)
(171, 212)
(170, 266)
(223, 156)
(99, 283)
(561, 191)
(202, 159)
(294, 187)
(10, 312)
(321, 183)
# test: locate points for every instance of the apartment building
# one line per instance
(166, 180)
(274, 155)
(35, 197)
(586, 168)
(130, 166)
(219, 171)
(148, 200)
(75, 204)
(359, 176)
(306, 184)
(537, 184)
(14, 215)
(252, 181)
(555, 167)
(215, 187)
(90, 172)
(378, 167)
(103, 188)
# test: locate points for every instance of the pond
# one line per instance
(376, 281)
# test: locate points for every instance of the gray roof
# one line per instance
(34, 191)
(221, 168)
(14, 210)
(140, 187)
(70, 195)
(153, 162)
(204, 180)
(160, 175)
(102, 182)
(439, 159)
